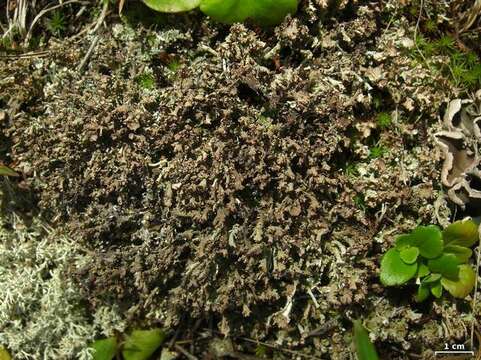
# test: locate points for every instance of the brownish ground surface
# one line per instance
(236, 178)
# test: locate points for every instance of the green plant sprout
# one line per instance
(436, 259)
(4, 354)
(431, 26)
(365, 349)
(262, 12)
(139, 345)
(6, 171)
(104, 349)
(360, 201)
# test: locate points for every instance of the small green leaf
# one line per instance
(394, 271)
(423, 270)
(264, 12)
(436, 289)
(6, 171)
(465, 283)
(446, 265)
(462, 253)
(104, 349)
(462, 233)
(228, 11)
(423, 293)
(429, 241)
(365, 349)
(172, 6)
(409, 255)
(272, 12)
(431, 278)
(404, 241)
(141, 344)
(4, 355)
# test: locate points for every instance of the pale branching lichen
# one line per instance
(42, 314)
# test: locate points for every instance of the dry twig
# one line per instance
(185, 352)
(84, 61)
(469, 18)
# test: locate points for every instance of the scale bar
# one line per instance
(454, 352)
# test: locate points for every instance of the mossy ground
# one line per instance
(233, 180)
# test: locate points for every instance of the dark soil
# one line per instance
(227, 177)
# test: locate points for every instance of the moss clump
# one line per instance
(462, 68)
(146, 81)
(384, 120)
(56, 25)
(377, 151)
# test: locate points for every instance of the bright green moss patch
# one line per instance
(376, 152)
(462, 68)
(384, 120)
(57, 23)
(146, 81)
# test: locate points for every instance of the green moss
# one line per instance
(413, 10)
(431, 26)
(360, 202)
(351, 169)
(5, 43)
(146, 81)
(36, 41)
(265, 121)
(9, 43)
(174, 65)
(463, 69)
(261, 351)
(445, 45)
(376, 152)
(377, 102)
(384, 120)
(56, 25)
